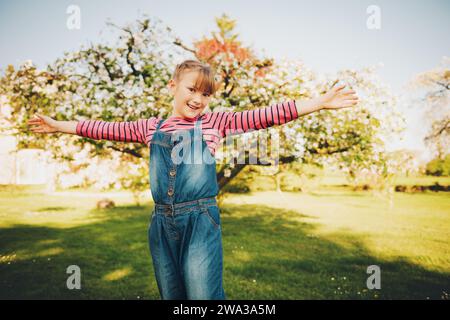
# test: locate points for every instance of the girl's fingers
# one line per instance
(37, 117)
(34, 121)
(347, 104)
(339, 87)
(349, 97)
(37, 127)
(350, 103)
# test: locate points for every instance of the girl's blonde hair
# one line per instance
(205, 81)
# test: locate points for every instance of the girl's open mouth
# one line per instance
(192, 107)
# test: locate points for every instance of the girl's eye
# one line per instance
(206, 95)
(191, 89)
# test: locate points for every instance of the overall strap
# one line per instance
(159, 124)
(198, 123)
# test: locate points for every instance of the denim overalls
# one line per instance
(185, 229)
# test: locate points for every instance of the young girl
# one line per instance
(185, 230)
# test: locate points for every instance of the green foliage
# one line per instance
(439, 167)
(241, 183)
(236, 187)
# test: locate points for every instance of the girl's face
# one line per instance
(189, 102)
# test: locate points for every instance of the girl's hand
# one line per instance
(43, 124)
(338, 98)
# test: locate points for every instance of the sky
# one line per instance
(327, 35)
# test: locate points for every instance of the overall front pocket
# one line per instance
(213, 214)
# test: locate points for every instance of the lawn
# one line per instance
(286, 245)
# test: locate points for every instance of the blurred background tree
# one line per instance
(124, 81)
(351, 139)
(127, 80)
(435, 86)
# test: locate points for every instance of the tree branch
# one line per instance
(223, 181)
(127, 151)
(178, 42)
(446, 86)
(437, 133)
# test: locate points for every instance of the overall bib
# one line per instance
(185, 229)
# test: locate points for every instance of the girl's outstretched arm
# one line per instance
(133, 131)
(231, 123)
(335, 98)
(44, 124)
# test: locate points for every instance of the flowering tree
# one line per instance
(436, 99)
(353, 138)
(127, 81)
(121, 82)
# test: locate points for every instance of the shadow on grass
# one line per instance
(268, 254)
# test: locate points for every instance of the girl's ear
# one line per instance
(171, 85)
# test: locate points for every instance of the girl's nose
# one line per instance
(197, 99)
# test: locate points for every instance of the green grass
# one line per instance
(319, 179)
(276, 246)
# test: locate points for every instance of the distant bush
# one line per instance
(416, 188)
(439, 167)
(237, 188)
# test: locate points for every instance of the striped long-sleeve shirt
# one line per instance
(215, 125)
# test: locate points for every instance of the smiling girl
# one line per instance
(185, 235)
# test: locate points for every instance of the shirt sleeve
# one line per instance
(230, 123)
(132, 131)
